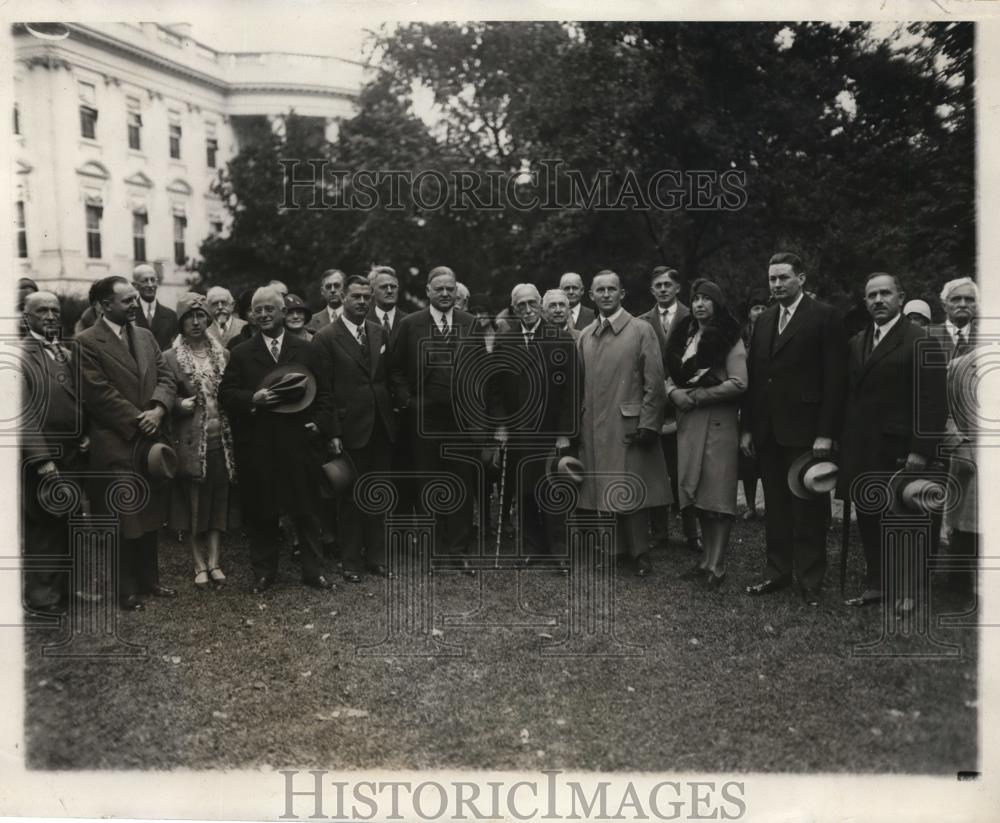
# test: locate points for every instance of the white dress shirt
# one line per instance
(437, 316)
(884, 329)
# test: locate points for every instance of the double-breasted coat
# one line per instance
(118, 384)
(623, 391)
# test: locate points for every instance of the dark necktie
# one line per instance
(362, 337)
(961, 344)
(275, 349)
(603, 325)
(385, 325)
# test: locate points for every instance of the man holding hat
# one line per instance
(127, 390)
(268, 391)
(896, 409)
(794, 404)
(533, 400)
(357, 414)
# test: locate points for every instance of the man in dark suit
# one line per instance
(794, 404)
(127, 389)
(423, 361)
(277, 453)
(348, 355)
(332, 288)
(384, 309)
(894, 388)
(52, 439)
(959, 298)
(153, 315)
(665, 285)
(534, 399)
(572, 284)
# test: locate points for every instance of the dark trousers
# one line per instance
(361, 532)
(542, 532)
(138, 566)
(265, 539)
(45, 535)
(453, 528)
(795, 528)
(633, 532)
(660, 515)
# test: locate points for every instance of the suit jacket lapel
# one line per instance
(679, 314)
(892, 341)
(767, 328)
(139, 347)
(349, 343)
(262, 350)
(118, 349)
(794, 325)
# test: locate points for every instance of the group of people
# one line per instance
(255, 420)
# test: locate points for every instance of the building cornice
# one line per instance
(99, 38)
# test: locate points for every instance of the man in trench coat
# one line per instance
(623, 406)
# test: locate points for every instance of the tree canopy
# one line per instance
(856, 151)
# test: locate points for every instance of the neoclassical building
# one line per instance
(120, 130)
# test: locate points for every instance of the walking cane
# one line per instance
(845, 542)
(503, 485)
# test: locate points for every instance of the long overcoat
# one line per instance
(623, 390)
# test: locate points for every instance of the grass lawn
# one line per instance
(724, 682)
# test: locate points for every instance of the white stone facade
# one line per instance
(143, 80)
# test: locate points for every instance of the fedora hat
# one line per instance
(154, 460)
(914, 493)
(810, 477)
(293, 383)
(566, 466)
(339, 474)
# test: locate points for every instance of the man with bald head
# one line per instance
(278, 454)
(220, 304)
(153, 315)
(580, 315)
(52, 438)
(425, 359)
(534, 399)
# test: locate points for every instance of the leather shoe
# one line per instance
(319, 583)
(713, 580)
(48, 608)
(643, 565)
(351, 577)
(694, 573)
(162, 591)
(261, 585)
(381, 571)
(130, 604)
(694, 544)
(766, 586)
(869, 597)
(810, 597)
